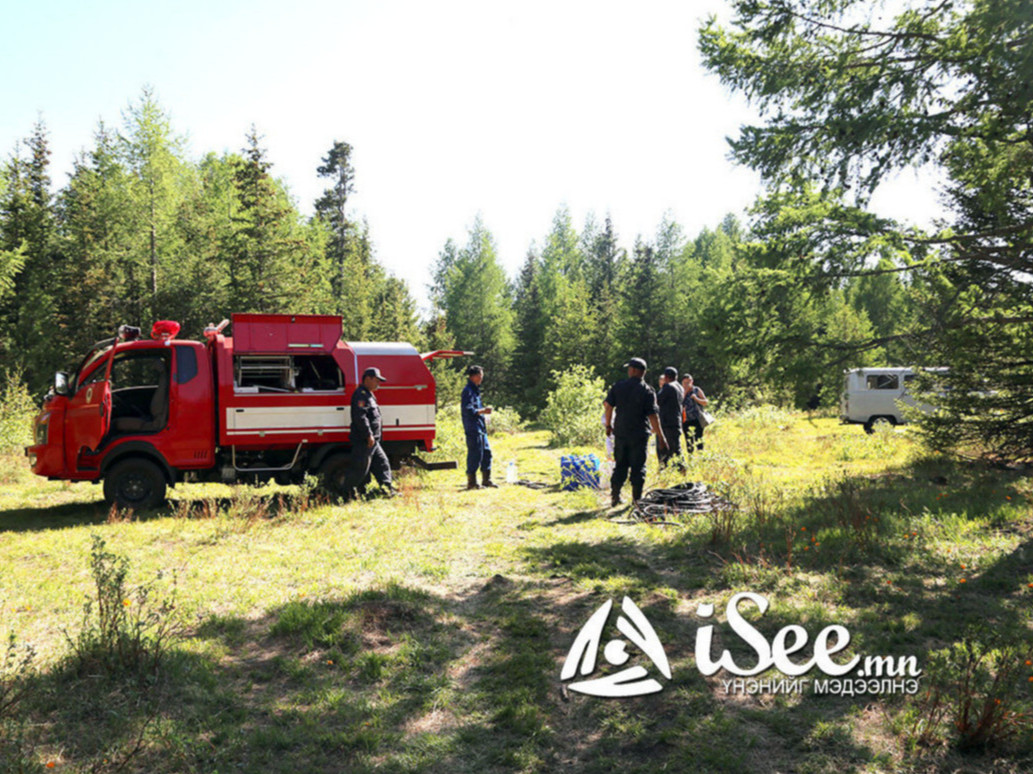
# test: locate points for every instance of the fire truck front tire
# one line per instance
(137, 484)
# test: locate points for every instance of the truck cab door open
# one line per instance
(89, 413)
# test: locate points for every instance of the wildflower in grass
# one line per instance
(1029, 663)
(962, 567)
(962, 581)
(50, 764)
(1007, 497)
(126, 603)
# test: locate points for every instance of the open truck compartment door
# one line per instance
(443, 354)
(281, 333)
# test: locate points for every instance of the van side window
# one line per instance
(882, 382)
(287, 373)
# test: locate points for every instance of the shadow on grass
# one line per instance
(52, 517)
(393, 679)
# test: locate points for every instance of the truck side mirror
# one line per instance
(61, 383)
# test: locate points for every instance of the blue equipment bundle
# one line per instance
(578, 471)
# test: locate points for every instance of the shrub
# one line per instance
(15, 666)
(978, 695)
(124, 631)
(504, 420)
(16, 410)
(573, 410)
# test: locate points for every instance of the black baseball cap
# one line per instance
(671, 372)
(474, 369)
(373, 372)
(635, 362)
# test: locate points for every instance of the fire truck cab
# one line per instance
(270, 402)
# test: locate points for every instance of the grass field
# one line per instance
(426, 633)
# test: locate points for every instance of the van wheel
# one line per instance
(333, 476)
(869, 426)
(136, 484)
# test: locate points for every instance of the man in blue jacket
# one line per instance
(478, 452)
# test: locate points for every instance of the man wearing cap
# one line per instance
(478, 452)
(367, 453)
(669, 402)
(636, 407)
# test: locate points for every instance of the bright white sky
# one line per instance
(453, 108)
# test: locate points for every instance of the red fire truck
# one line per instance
(270, 402)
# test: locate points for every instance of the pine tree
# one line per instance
(31, 265)
(331, 211)
(272, 267)
(470, 288)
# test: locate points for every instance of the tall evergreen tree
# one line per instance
(331, 210)
(272, 268)
(26, 239)
(526, 386)
(470, 288)
(152, 155)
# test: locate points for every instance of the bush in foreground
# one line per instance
(124, 631)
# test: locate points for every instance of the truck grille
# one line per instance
(42, 431)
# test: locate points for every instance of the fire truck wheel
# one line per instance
(138, 484)
(333, 475)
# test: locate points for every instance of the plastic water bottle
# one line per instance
(511, 472)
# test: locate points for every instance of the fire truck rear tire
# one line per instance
(136, 483)
(333, 475)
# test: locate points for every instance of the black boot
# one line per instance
(486, 481)
(636, 492)
(615, 498)
(471, 482)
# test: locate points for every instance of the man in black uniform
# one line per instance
(367, 454)
(669, 403)
(636, 407)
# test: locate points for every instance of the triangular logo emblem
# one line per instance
(633, 681)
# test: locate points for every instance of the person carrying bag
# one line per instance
(694, 417)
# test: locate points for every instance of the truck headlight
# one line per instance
(42, 430)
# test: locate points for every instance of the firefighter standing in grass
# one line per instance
(669, 401)
(636, 407)
(367, 453)
(478, 452)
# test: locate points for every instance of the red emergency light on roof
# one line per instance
(163, 330)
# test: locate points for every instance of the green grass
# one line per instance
(426, 633)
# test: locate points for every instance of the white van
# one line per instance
(874, 395)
